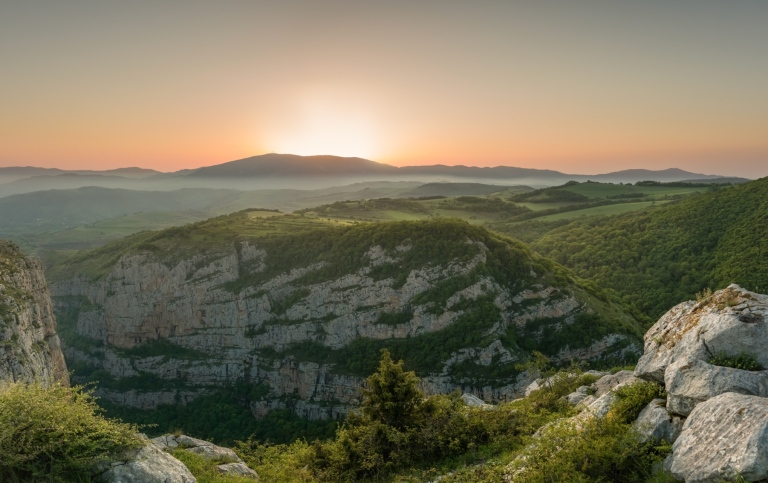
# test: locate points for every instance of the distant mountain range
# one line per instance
(277, 171)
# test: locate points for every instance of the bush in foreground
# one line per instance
(55, 434)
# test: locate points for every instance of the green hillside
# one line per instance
(661, 256)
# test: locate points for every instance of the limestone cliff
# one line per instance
(301, 315)
(29, 347)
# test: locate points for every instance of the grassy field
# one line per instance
(608, 190)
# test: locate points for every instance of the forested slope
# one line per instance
(657, 258)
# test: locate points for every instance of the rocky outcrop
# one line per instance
(224, 320)
(199, 447)
(731, 321)
(148, 464)
(30, 350)
(724, 409)
(231, 464)
(722, 439)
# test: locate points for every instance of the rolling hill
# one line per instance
(661, 256)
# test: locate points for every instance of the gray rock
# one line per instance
(732, 321)
(237, 469)
(213, 452)
(723, 438)
(474, 401)
(611, 382)
(205, 449)
(148, 464)
(655, 424)
(689, 383)
(599, 407)
(577, 396)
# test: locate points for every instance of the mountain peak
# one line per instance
(275, 164)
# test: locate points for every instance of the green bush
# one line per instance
(591, 450)
(746, 362)
(632, 398)
(55, 434)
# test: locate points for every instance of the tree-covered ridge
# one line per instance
(657, 258)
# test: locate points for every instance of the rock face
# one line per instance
(196, 321)
(148, 464)
(30, 350)
(723, 438)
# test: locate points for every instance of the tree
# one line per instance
(391, 395)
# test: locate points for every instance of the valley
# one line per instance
(231, 314)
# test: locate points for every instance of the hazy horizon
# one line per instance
(627, 168)
(579, 87)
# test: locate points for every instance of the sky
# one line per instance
(580, 86)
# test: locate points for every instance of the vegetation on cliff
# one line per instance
(459, 304)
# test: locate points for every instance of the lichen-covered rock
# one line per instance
(147, 464)
(724, 437)
(689, 383)
(730, 321)
(30, 350)
(237, 469)
(655, 424)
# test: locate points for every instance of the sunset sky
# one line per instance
(581, 86)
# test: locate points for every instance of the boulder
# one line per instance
(655, 424)
(578, 396)
(203, 448)
(689, 383)
(474, 401)
(724, 437)
(147, 464)
(237, 469)
(599, 407)
(731, 321)
(611, 382)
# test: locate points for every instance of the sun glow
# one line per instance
(326, 130)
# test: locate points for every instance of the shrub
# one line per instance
(746, 362)
(55, 433)
(632, 398)
(391, 396)
(593, 450)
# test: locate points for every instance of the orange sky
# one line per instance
(579, 86)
